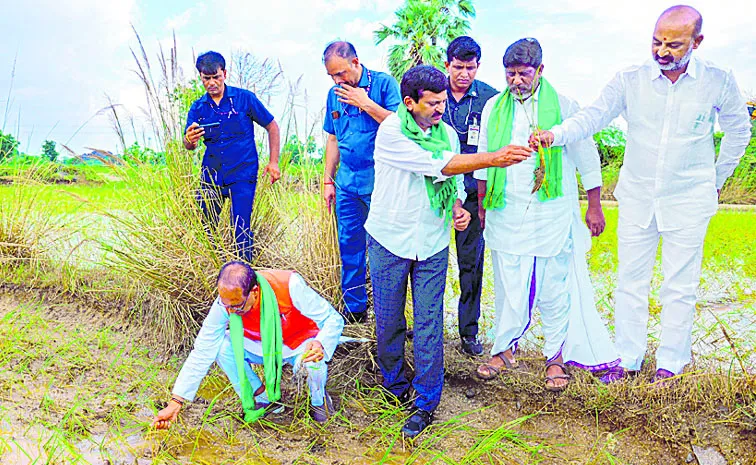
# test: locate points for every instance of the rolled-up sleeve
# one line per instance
(205, 351)
(736, 124)
(393, 148)
(316, 308)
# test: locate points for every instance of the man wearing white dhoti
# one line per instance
(536, 236)
(669, 182)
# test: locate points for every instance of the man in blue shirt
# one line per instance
(356, 105)
(224, 117)
(467, 97)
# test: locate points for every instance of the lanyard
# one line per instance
(452, 113)
(227, 114)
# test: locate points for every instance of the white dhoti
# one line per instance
(682, 252)
(561, 288)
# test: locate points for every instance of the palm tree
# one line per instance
(422, 30)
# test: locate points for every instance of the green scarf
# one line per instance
(272, 344)
(500, 134)
(442, 195)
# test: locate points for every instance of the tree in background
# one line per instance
(422, 30)
(49, 152)
(8, 146)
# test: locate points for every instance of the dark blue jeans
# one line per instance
(389, 275)
(351, 213)
(470, 250)
(242, 195)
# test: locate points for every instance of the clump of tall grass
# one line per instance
(28, 226)
(165, 250)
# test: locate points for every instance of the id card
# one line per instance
(473, 134)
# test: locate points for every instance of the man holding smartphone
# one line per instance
(224, 118)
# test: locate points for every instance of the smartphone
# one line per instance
(209, 125)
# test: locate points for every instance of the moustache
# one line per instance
(665, 59)
(437, 115)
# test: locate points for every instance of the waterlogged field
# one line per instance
(81, 379)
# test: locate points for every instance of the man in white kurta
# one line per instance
(538, 247)
(669, 182)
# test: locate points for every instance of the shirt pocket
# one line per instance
(696, 119)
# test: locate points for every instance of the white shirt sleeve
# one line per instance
(205, 351)
(595, 117)
(482, 174)
(393, 148)
(316, 308)
(583, 152)
(734, 121)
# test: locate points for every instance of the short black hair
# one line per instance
(463, 48)
(210, 62)
(524, 52)
(339, 48)
(422, 78)
(238, 274)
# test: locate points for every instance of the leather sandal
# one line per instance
(565, 375)
(493, 370)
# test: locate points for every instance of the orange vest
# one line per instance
(295, 327)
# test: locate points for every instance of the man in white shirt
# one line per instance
(415, 200)
(534, 229)
(669, 182)
(281, 320)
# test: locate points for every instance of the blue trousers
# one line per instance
(351, 214)
(389, 275)
(242, 195)
(470, 250)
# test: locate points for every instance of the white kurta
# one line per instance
(667, 188)
(550, 238)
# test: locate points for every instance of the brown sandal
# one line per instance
(565, 375)
(493, 370)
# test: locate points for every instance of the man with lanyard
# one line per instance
(534, 228)
(267, 318)
(356, 105)
(669, 182)
(466, 98)
(418, 196)
(224, 117)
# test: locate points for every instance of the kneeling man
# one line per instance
(267, 318)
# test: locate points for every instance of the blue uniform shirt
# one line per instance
(355, 130)
(460, 115)
(231, 154)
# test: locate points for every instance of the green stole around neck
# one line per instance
(272, 345)
(500, 135)
(442, 195)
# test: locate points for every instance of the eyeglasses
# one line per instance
(236, 308)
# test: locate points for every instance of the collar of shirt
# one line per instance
(472, 91)
(364, 81)
(655, 71)
(228, 92)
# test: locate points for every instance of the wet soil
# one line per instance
(55, 408)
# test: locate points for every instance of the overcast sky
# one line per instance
(71, 53)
